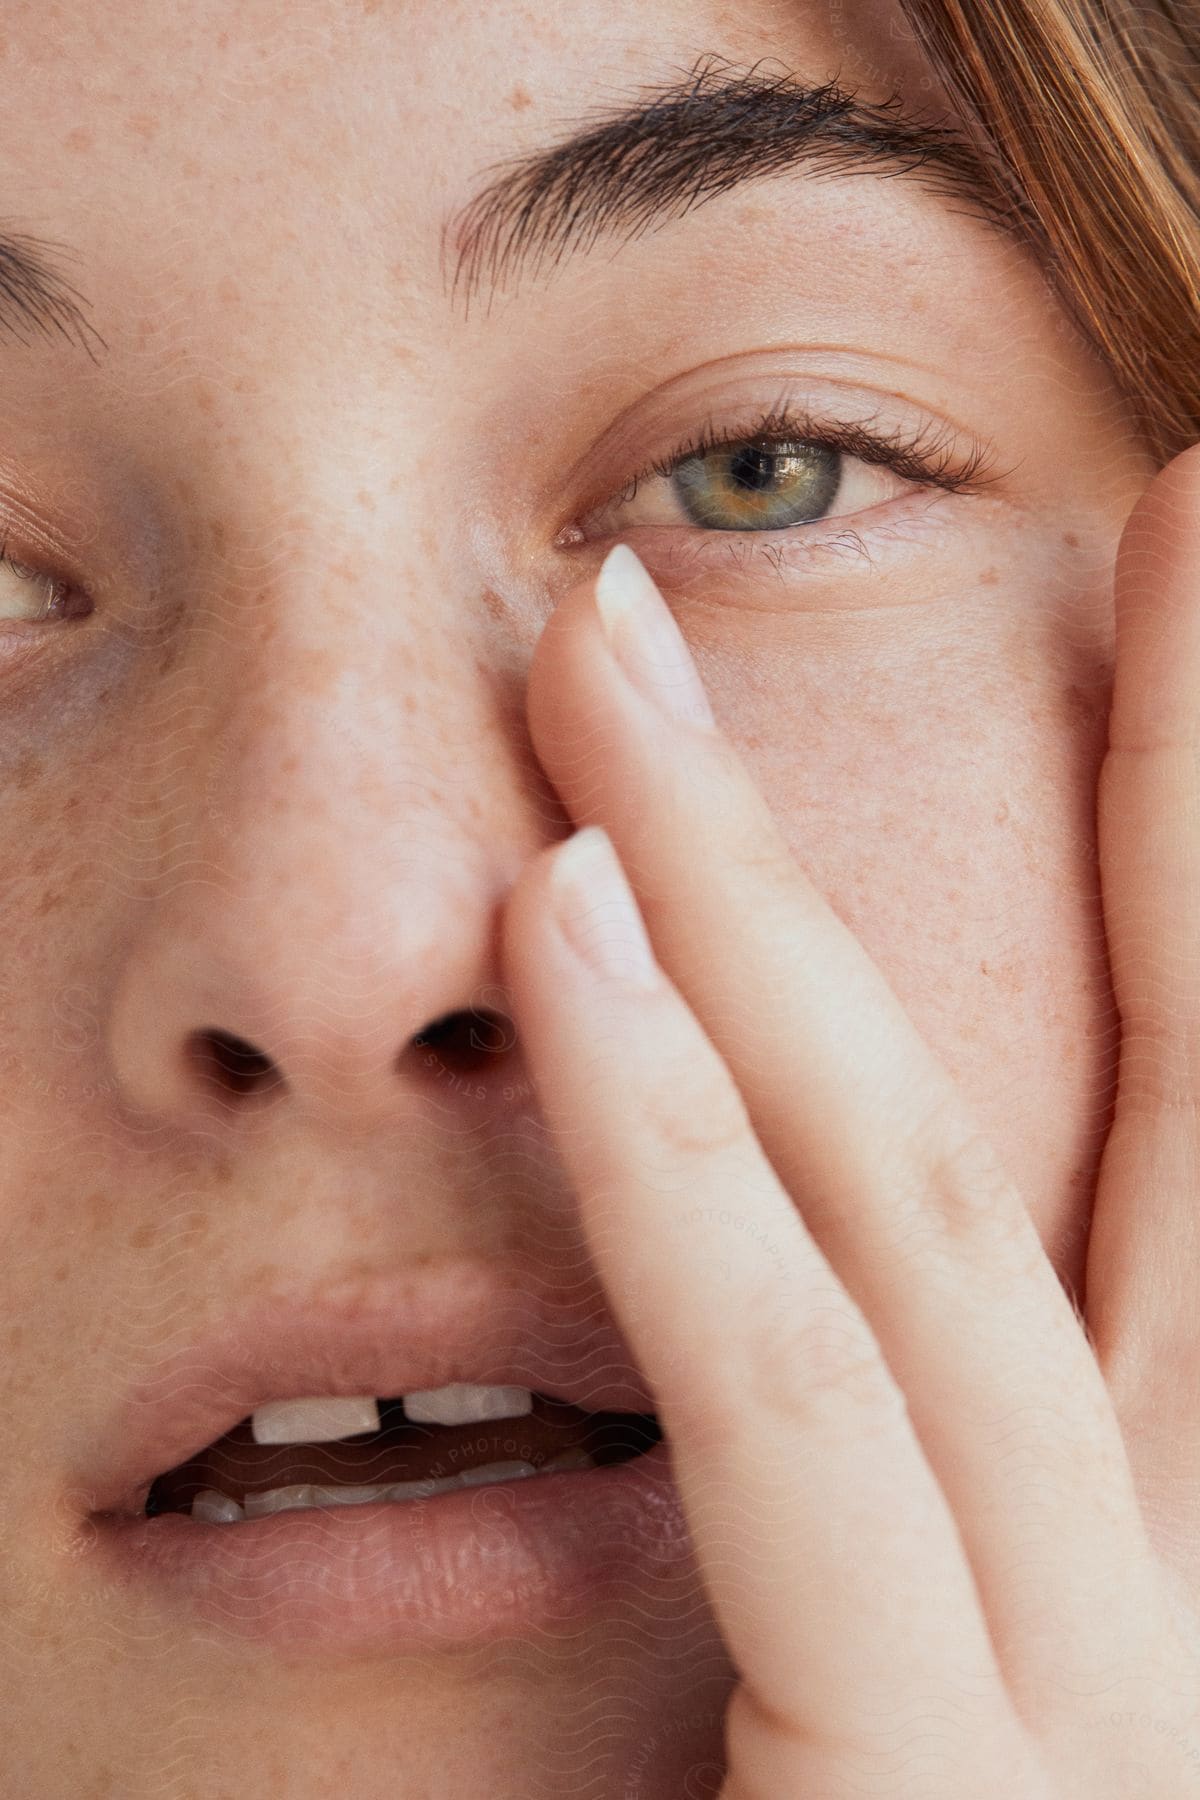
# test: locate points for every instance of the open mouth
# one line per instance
(564, 1504)
(240, 1477)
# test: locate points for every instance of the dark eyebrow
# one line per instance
(684, 143)
(36, 297)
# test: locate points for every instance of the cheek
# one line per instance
(939, 792)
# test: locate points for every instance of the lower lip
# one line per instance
(470, 1566)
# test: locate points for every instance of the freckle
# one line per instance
(1070, 540)
(988, 578)
(143, 125)
(228, 290)
(1001, 817)
(494, 604)
(28, 769)
(519, 99)
(62, 1271)
(204, 398)
(49, 903)
(1006, 977)
(99, 1208)
(143, 1237)
(79, 139)
(365, 500)
(222, 40)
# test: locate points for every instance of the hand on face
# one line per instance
(918, 1488)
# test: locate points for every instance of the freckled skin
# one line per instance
(282, 783)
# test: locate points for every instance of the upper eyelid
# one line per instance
(867, 443)
(973, 475)
(979, 461)
(664, 468)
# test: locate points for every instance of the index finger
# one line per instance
(870, 1135)
(831, 1556)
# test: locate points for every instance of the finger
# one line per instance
(870, 1136)
(829, 1553)
(1144, 1249)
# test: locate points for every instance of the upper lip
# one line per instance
(383, 1335)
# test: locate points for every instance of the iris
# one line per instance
(758, 486)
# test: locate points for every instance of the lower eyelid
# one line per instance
(850, 544)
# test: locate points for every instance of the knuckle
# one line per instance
(766, 857)
(694, 1119)
(958, 1173)
(820, 1369)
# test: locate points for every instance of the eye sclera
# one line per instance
(56, 587)
(927, 457)
(868, 404)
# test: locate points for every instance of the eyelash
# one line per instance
(58, 589)
(926, 460)
(926, 456)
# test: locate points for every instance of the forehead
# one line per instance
(401, 104)
(267, 49)
(212, 151)
(257, 195)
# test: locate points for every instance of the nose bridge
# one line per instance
(323, 733)
(358, 810)
(330, 803)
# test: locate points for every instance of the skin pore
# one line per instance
(278, 780)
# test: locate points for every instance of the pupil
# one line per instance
(758, 469)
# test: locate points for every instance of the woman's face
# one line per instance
(264, 766)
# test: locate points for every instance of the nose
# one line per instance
(319, 895)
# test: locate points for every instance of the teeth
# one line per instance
(212, 1508)
(497, 1471)
(568, 1459)
(323, 1421)
(311, 1493)
(313, 1421)
(462, 1403)
(314, 1494)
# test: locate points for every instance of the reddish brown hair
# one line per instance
(1089, 111)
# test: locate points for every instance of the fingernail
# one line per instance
(646, 641)
(596, 908)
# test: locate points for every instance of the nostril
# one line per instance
(465, 1041)
(230, 1062)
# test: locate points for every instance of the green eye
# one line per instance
(759, 486)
